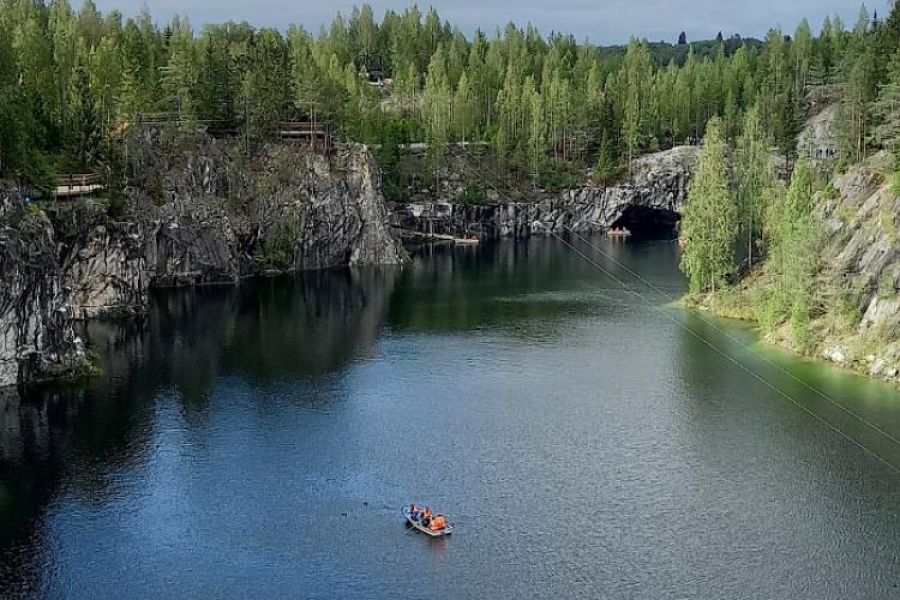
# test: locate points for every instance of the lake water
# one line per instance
(258, 442)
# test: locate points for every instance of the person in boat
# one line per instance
(439, 523)
(414, 512)
(426, 517)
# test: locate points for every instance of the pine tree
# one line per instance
(266, 84)
(607, 163)
(754, 181)
(464, 110)
(437, 109)
(537, 137)
(710, 217)
(857, 89)
(63, 30)
(179, 77)
(887, 108)
(86, 129)
(796, 235)
(638, 71)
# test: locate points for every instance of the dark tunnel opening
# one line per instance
(647, 223)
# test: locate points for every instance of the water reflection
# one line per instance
(80, 435)
(236, 430)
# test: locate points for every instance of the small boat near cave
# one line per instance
(618, 232)
(417, 524)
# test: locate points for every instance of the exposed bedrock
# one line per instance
(657, 188)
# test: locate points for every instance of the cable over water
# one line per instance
(727, 356)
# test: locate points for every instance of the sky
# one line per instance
(600, 21)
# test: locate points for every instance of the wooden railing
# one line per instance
(70, 185)
(318, 133)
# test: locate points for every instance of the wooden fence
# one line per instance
(76, 185)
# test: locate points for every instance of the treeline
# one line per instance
(737, 215)
(72, 81)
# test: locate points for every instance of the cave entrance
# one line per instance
(648, 223)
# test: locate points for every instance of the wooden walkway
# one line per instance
(316, 134)
(77, 185)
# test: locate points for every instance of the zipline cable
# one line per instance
(744, 345)
(723, 353)
(715, 326)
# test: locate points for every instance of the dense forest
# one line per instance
(73, 81)
(740, 211)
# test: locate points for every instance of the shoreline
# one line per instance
(819, 356)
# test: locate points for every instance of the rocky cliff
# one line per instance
(861, 272)
(658, 182)
(196, 210)
(202, 212)
(37, 338)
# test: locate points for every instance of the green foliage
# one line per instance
(896, 185)
(607, 168)
(886, 287)
(844, 310)
(473, 195)
(555, 177)
(800, 322)
(67, 79)
(276, 252)
(755, 181)
(830, 192)
(889, 224)
(796, 239)
(34, 210)
(709, 227)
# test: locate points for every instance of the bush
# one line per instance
(801, 330)
(473, 195)
(555, 178)
(845, 310)
(276, 252)
(606, 172)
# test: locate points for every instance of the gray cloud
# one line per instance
(601, 21)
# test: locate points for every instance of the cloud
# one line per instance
(601, 21)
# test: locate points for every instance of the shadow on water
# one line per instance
(295, 328)
(521, 287)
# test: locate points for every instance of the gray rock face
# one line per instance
(862, 259)
(195, 213)
(658, 181)
(818, 141)
(37, 338)
(204, 214)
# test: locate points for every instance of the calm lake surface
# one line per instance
(259, 441)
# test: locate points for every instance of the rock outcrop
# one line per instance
(194, 212)
(37, 337)
(202, 213)
(862, 272)
(658, 182)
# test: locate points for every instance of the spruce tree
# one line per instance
(754, 181)
(86, 129)
(709, 227)
(887, 108)
(796, 235)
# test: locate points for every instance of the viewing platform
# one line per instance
(77, 185)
